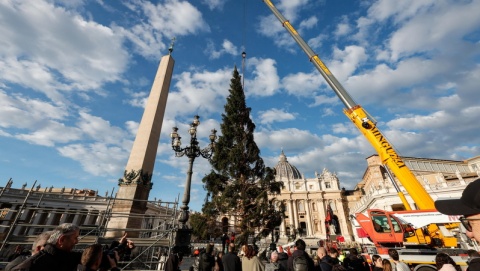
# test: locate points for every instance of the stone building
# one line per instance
(26, 212)
(308, 202)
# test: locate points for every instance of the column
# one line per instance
(309, 218)
(321, 212)
(283, 229)
(290, 213)
(295, 214)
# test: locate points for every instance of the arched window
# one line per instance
(225, 224)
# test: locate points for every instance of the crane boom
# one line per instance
(364, 123)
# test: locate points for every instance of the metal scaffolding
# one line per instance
(25, 213)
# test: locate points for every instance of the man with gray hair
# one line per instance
(274, 265)
(38, 245)
(57, 253)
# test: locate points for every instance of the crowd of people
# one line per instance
(331, 259)
(53, 251)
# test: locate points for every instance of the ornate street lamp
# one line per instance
(192, 151)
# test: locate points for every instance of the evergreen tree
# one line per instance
(239, 182)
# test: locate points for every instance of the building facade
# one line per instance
(26, 212)
(315, 207)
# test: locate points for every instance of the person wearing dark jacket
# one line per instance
(377, 263)
(231, 262)
(355, 262)
(38, 245)
(324, 260)
(300, 251)
(57, 254)
(173, 262)
(207, 261)
(282, 257)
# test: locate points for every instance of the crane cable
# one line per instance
(244, 54)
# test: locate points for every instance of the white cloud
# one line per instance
(343, 28)
(308, 23)
(97, 159)
(346, 62)
(324, 99)
(290, 8)
(275, 115)
(37, 44)
(265, 78)
(214, 4)
(302, 84)
(204, 91)
(165, 21)
(227, 48)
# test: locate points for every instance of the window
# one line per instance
(327, 185)
(396, 226)
(380, 223)
(301, 207)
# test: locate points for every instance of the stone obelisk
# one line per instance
(134, 187)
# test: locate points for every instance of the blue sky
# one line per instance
(75, 75)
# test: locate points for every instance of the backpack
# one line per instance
(357, 264)
(300, 263)
(338, 267)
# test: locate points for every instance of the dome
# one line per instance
(285, 170)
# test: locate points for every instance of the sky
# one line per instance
(75, 76)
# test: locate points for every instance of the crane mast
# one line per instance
(364, 122)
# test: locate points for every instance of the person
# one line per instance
(300, 257)
(207, 261)
(355, 261)
(18, 251)
(282, 257)
(91, 258)
(333, 252)
(473, 260)
(443, 262)
(225, 240)
(377, 263)
(129, 246)
(250, 261)
(218, 262)
(274, 265)
(323, 260)
(387, 265)
(196, 261)
(377, 226)
(289, 252)
(468, 206)
(114, 252)
(57, 253)
(173, 262)
(231, 262)
(397, 264)
(38, 245)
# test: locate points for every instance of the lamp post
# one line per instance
(192, 151)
